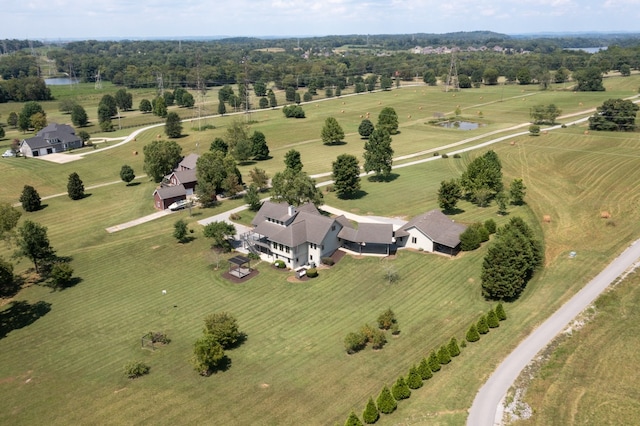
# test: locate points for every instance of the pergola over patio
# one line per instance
(239, 266)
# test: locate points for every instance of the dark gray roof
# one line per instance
(184, 176)
(189, 162)
(170, 191)
(372, 233)
(51, 135)
(281, 211)
(438, 227)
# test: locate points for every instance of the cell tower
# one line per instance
(98, 84)
(160, 84)
(452, 79)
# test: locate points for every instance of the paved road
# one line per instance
(485, 411)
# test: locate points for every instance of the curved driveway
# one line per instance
(484, 411)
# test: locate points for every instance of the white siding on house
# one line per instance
(417, 240)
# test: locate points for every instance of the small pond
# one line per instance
(60, 81)
(460, 125)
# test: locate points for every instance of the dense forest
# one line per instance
(319, 62)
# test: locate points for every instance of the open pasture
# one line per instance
(66, 364)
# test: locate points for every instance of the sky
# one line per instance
(175, 19)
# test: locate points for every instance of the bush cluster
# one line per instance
(136, 369)
(326, 260)
(293, 111)
(356, 341)
(220, 332)
(486, 322)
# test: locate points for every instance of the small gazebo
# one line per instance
(239, 266)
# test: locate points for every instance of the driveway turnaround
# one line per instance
(484, 411)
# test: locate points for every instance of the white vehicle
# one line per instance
(178, 205)
(8, 153)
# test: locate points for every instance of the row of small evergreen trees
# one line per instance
(387, 400)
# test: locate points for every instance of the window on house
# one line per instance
(286, 249)
(414, 240)
(333, 227)
(311, 257)
(281, 247)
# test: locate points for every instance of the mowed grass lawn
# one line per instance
(66, 366)
(580, 383)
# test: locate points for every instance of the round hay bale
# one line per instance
(342, 111)
(605, 215)
(420, 108)
(135, 152)
(586, 132)
(546, 218)
(409, 116)
(512, 143)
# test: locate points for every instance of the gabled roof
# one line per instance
(372, 233)
(437, 227)
(165, 192)
(282, 212)
(189, 162)
(184, 176)
(51, 135)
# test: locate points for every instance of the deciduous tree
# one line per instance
(589, 80)
(365, 128)
(378, 155)
(208, 355)
(292, 160)
(615, 115)
(449, 194)
(61, 275)
(79, 116)
(517, 192)
(145, 106)
(33, 243)
(295, 188)
(259, 148)
(220, 233)
(331, 131)
(126, 174)
(388, 120)
(160, 157)
(28, 110)
(180, 230)
(223, 326)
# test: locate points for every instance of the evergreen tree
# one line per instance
(145, 106)
(500, 313)
(346, 175)
(378, 155)
(79, 116)
(424, 369)
(492, 319)
(180, 230)
(472, 334)
(414, 380)
(173, 126)
(443, 355)
(517, 191)
(259, 148)
(386, 402)
(400, 390)
(159, 107)
(453, 348)
(292, 160)
(469, 239)
(75, 187)
(483, 173)
(222, 109)
(252, 198)
(33, 243)
(353, 420)
(482, 326)
(30, 199)
(371, 413)
(490, 226)
(434, 362)
(219, 144)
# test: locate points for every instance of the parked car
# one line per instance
(8, 153)
(178, 205)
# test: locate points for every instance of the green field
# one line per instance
(66, 365)
(579, 383)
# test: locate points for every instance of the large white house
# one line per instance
(301, 236)
(53, 138)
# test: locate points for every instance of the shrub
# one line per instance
(326, 260)
(158, 337)
(469, 239)
(492, 319)
(454, 349)
(444, 156)
(293, 111)
(435, 154)
(223, 326)
(483, 327)
(443, 355)
(312, 272)
(456, 155)
(395, 330)
(371, 413)
(279, 264)
(378, 340)
(434, 363)
(386, 402)
(400, 390)
(386, 319)
(368, 332)
(472, 334)
(235, 216)
(490, 226)
(136, 369)
(500, 313)
(414, 380)
(424, 369)
(253, 256)
(354, 342)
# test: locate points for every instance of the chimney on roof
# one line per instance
(292, 210)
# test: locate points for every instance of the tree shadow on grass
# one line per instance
(382, 178)
(354, 195)
(336, 143)
(21, 314)
(73, 281)
(133, 184)
(453, 211)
